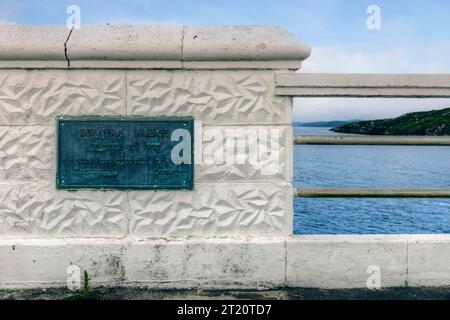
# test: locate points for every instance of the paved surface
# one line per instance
(121, 293)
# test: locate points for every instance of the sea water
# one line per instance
(334, 166)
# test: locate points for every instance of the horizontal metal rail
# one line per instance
(371, 86)
(363, 85)
(374, 140)
(372, 193)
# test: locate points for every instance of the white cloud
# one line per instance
(420, 59)
(4, 22)
(415, 59)
(316, 109)
(133, 21)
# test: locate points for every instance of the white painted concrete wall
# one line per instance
(231, 262)
(228, 199)
(223, 76)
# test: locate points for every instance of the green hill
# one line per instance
(428, 123)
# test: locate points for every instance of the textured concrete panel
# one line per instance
(27, 153)
(213, 210)
(232, 154)
(239, 97)
(37, 97)
(429, 261)
(343, 261)
(206, 263)
(39, 210)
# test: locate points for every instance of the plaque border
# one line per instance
(61, 186)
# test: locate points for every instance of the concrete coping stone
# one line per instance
(166, 46)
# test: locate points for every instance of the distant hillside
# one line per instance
(324, 124)
(428, 123)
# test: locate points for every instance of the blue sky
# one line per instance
(414, 36)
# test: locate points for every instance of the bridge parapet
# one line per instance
(234, 228)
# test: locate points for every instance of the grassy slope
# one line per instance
(431, 123)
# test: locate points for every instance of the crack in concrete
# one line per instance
(65, 47)
(182, 46)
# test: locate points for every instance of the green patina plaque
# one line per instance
(125, 153)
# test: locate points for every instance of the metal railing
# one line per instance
(373, 193)
(372, 86)
(373, 140)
